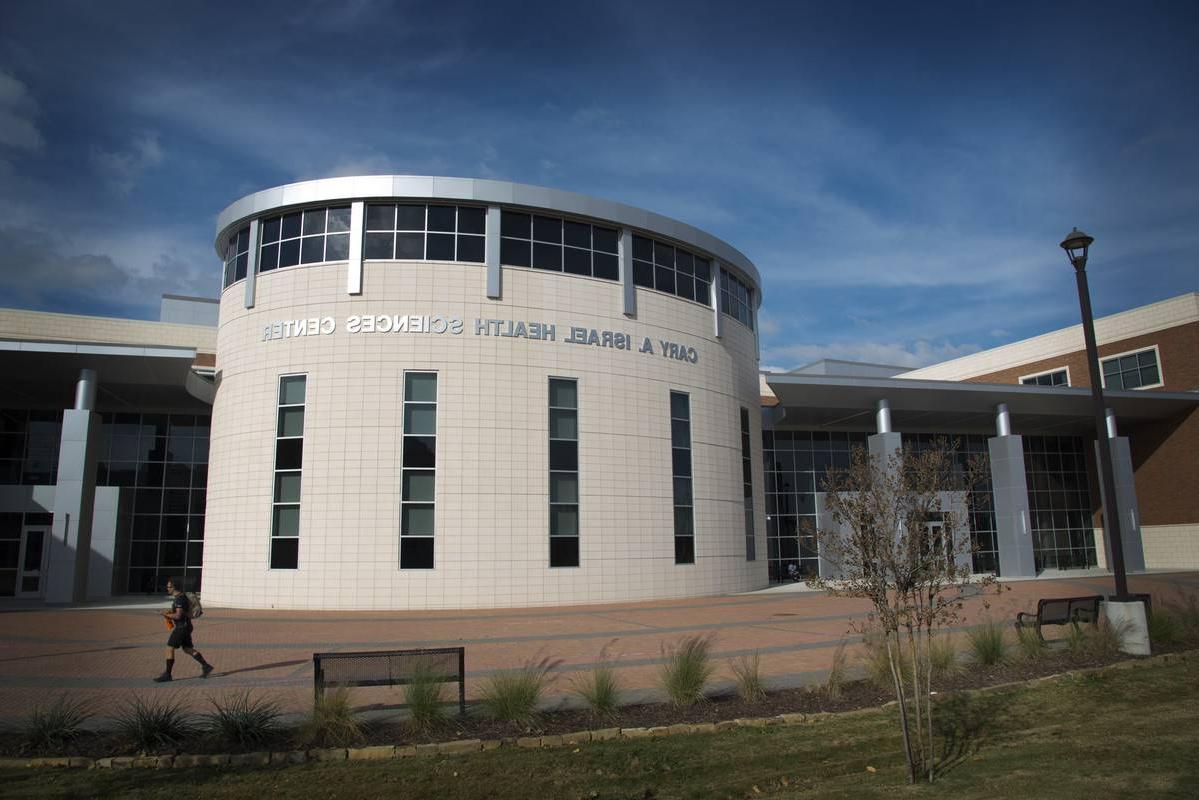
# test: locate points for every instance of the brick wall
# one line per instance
(1163, 452)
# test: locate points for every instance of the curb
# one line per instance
(461, 746)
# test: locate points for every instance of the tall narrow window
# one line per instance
(289, 458)
(680, 451)
(564, 472)
(747, 480)
(419, 470)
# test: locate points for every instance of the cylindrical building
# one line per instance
(449, 393)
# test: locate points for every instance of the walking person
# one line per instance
(179, 619)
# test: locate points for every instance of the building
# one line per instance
(1027, 407)
(446, 393)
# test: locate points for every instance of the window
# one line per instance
(660, 266)
(419, 466)
(680, 452)
(736, 299)
(1059, 502)
(289, 458)
(559, 245)
(747, 482)
(1137, 370)
(1057, 377)
(305, 237)
(29, 442)
(419, 232)
(564, 472)
(237, 256)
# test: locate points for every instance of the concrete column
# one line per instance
(882, 445)
(624, 249)
(1112, 431)
(74, 496)
(1126, 500)
(354, 256)
(1009, 488)
(102, 559)
(492, 253)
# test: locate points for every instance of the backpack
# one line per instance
(195, 610)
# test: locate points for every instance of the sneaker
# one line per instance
(163, 678)
(205, 670)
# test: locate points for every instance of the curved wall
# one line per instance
(492, 496)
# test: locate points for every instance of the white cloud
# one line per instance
(122, 169)
(18, 114)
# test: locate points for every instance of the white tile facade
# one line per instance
(492, 504)
(1125, 325)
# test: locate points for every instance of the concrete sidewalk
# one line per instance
(108, 655)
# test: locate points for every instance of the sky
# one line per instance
(900, 173)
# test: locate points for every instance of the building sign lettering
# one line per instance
(437, 325)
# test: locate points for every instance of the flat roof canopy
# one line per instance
(39, 374)
(848, 404)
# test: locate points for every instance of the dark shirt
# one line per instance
(181, 603)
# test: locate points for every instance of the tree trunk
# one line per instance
(893, 661)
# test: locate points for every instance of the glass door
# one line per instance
(32, 574)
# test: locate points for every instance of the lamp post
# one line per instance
(1076, 245)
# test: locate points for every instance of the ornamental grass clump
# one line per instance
(877, 661)
(599, 690)
(332, 722)
(1099, 642)
(241, 720)
(837, 672)
(1031, 646)
(747, 673)
(1165, 628)
(686, 670)
(512, 695)
(423, 697)
(51, 726)
(157, 723)
(943, 657)
(988, 645)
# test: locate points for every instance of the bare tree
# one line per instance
(897, 533)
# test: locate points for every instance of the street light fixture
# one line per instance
(1076, 244)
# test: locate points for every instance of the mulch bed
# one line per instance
(854, 695)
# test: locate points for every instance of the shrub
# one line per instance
(1186, 611)
(943, 657)
(512, 695)
(332, 723)
(987, 643)
(748, 674)
(836, 672)
(1032, 647)
(1101, 641)
(686, 670)
(51, 725)
(878, 663)
(156, 723)
(1165, 627)
(241, 720)
(422, 695)
(600, 690)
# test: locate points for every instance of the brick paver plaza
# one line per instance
(108, 655)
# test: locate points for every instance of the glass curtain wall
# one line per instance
(160, 464)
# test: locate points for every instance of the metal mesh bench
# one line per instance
(1061, 611)
(390, 668)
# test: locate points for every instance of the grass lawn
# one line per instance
(1131, 733)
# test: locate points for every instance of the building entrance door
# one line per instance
(31, 576)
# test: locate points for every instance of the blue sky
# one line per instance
(900, 173)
